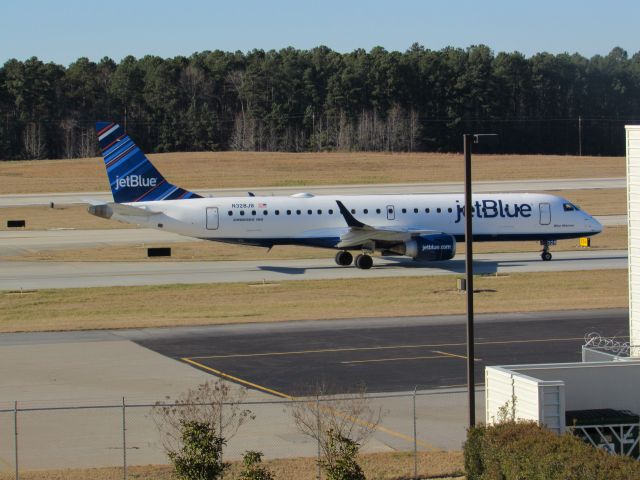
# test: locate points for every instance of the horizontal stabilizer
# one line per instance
(106, 210)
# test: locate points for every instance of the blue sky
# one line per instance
(63, 31)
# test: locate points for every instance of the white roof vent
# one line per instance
(303, 195)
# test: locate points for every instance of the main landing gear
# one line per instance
(344, 258)
(363, 261)
(546, 254)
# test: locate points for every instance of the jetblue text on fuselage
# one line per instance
(495, 208)
(135, 181)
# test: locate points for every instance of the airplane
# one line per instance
(421, 226)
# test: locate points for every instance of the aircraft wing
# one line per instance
(360, 233)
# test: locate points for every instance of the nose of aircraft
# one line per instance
(594, 225)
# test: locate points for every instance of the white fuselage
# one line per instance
(316, 220)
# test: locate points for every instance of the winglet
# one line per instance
(350, 219)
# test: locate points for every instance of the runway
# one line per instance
(384, 354)
(15, 200)
(16, 275)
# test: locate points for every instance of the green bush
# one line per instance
(200, 457)
(524, 450)
(340, 459)
(252, 468)
(473, 453)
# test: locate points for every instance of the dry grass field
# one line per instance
(261, 169)
(207, 304)
(379, 466)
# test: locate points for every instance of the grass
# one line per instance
(208, 304)
(381, 466)
(230, 169)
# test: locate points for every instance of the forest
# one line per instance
(321, 100)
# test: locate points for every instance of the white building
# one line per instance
(633, 209)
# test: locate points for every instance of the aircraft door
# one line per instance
(545, 214)
(212, 218)
(391, 212)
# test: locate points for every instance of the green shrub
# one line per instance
(340, 460)
(252, 468)
(524, 450)
(200, 457)
(473, 453)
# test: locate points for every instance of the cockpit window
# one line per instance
(570, 207)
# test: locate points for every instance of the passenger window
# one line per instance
(319, 212)
(449, 209)
(438, 210)
(242, 213)
(253, 212)
(309, 212)
(230, 213)
(404, 210)
(265, 213)
(377, 210)
(277, 212)
(426, 210)
(353, 210)
(330, 212)
(288, 212)
(365, 211)
(415, 210)
(298, 212)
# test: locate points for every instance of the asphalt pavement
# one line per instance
(385, 354)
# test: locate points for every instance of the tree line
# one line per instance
(316, 100)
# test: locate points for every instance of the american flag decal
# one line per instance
(262, 205)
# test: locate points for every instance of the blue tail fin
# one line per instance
(132, 176)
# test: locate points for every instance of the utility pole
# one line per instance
(579, 135)
(469, 140)
(468, 237)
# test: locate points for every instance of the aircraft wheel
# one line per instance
(344, 258)
(365, 262)
(546, 256)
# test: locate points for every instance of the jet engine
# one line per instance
(434, 246)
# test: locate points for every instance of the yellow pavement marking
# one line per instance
(380, 428)
(388, 347)
(464, 357)
(236, 379)
(397, 359)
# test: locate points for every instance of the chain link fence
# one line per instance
(34, 436)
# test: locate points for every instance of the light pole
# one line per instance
(469, 140)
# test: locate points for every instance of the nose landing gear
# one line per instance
(546, 254)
